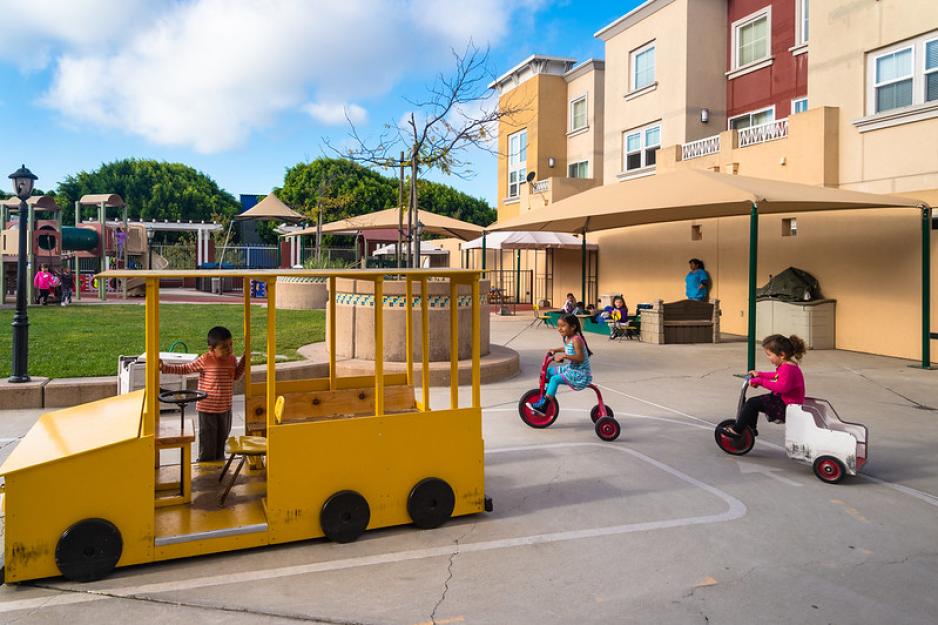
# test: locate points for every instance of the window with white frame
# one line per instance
(642, 62)
(931, 70)
(578, 170)
(517, 162)
(640, 147)
(894, 79)
(753, 118)
(799, 106)
(801, 21)
(752, 38)
(578, 114)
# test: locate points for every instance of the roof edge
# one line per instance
(636, 15)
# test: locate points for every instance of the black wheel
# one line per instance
(608, 428)
(829, 469)
(430, 503)
(88, 550)
(551, 410)
(734, 446)
(594, 413)
(344, 516)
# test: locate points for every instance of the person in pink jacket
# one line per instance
(44, 281)
(786, 384)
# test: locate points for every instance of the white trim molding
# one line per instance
(766, 12)
(748, 69)
(897, 117)
(631, 95)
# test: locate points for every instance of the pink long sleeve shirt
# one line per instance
(787, 381)
(43, 280)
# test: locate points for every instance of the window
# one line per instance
(801, 20)
(696, 233)
(640, 147)
(893, 80)
(642, 62)
(799, 106)
(790, 227)
(517, 162)
(755, 118)
(931, 70)
(578, 170)
(578, 114)
(752, 38)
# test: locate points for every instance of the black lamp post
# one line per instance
(23, 181)
(150, 233)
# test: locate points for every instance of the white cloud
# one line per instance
(334, 114)
(207, 73)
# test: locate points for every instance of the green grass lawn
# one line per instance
(77, 341)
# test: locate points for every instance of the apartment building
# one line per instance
(840, 93)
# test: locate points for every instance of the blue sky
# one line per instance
(243, 89)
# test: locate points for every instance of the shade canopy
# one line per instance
(426, 249)
(38, 202)
(528, 241)
(271, 209)
(111, 200)
(388, 219)
(685, 195)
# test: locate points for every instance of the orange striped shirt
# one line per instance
(216, 377)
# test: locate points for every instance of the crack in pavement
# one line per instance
(449, 574)
(914, 403)
(321, 620)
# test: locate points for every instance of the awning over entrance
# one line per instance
(698, 194)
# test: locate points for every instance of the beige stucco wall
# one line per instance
(667, 102)
(586, 145)
(888, 160)
(705, 60)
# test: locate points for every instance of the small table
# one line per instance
(167, 437)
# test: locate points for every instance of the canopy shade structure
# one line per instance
(271, 209)
(110, 200)
(38, 202)
(527, 241)
(388, 219)
(426, 248)
(698, 194)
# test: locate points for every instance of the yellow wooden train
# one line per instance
(85, 491)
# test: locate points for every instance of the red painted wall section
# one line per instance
(784, 80)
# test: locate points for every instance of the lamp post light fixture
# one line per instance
(150, 233)
(23, 181)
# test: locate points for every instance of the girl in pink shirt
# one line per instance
(786, 384)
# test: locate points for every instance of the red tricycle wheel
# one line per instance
(594, 413)
(734, 446)
(608, 429)
(531, 418)
(829, 470)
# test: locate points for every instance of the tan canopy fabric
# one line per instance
(528, 241)
(110, 199)
(689, 194)
(271, 209)
(39, 202)
(388, 220)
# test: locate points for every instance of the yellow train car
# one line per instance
(85, 490)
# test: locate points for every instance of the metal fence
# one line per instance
(511, 286)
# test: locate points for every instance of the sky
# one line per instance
(244, 89)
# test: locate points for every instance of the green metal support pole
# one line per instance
(753, 267)
(926, 286)
(583, 264)
(517, 276)
(483, 254)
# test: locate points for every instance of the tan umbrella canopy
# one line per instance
(110, 200)
(688, 194)
(271, 209)
(699, 194)
(528, 240)
(388, 220)
(38, 202)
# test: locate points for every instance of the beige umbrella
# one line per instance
(271, 209)
(699, 194)
(388, 220)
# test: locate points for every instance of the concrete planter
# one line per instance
(301, 293)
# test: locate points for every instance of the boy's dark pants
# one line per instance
(214, 428)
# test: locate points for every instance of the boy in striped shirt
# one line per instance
(218, 371)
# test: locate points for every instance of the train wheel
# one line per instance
(88, 550)
(734, 446)
(344, 516)
(829, 469)
(594, 413)
(608, 428)
(551, 410)
(430, 503)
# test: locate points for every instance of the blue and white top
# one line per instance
(577, 375)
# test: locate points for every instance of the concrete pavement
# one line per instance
(657, 527)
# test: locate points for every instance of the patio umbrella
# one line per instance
(698, 194)
(387, 220)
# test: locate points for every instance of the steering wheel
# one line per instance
(181, 398)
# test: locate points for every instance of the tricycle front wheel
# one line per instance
(533, 419)
(734, 446)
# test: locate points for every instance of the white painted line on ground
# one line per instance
(735, 510)
(751, 467)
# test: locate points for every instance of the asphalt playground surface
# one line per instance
(658, 527)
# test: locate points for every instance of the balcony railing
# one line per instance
(700, 147)
(762, 133)
(541, 186)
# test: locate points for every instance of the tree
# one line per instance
(365, 190)
(456, 114)
(151, 190)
